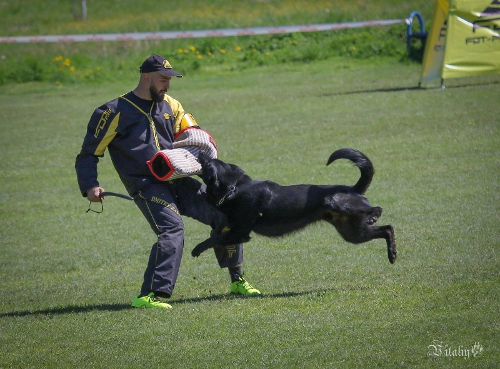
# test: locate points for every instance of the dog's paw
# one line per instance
(195, 253)
(375, 214)
(391, 248)
(392, 255)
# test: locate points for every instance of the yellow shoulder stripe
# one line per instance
(108, 137)
(178, 111)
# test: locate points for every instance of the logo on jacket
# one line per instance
(102, 122)
(166, 116)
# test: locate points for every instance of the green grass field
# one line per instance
(68, 277)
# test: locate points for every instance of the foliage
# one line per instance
(105, 61)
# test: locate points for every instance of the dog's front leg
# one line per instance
(207, 244)
(235, 235)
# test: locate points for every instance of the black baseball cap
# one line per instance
(157, 63)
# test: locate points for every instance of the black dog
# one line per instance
(272, 210)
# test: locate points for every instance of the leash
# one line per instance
(108, 193)
(121, 196)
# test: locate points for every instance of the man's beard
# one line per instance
(155, 94)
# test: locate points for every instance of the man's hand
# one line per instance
(93, 194)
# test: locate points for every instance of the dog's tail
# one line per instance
(361, 161)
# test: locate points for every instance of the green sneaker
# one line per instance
(150, 301)
(242, 287)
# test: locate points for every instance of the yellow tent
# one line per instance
(464, 40)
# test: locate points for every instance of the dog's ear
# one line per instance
(209, 175)
(212, 182)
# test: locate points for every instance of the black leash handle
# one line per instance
(107, 193)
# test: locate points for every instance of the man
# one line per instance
(134, 127)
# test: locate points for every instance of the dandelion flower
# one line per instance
(192, 48)
(222, 51)
(238, 48)
(67, 62)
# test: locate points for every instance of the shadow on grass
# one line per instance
(120, 307)
(411, 88)
(394, 89)
(68, 310)
(231, 296)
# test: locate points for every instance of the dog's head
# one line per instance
(220, 177)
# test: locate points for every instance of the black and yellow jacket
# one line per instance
(133, 130)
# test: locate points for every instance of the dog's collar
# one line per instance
(232, 188)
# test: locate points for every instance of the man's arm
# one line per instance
(86, 172)
(100, 132)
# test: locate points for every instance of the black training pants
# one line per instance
(163, 204)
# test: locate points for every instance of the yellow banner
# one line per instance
(435, 43)
(473, 38)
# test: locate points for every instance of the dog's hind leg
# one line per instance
(386, 232)
(356, 230)
(370, 232)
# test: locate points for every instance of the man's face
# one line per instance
(159, 86)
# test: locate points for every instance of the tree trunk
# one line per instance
(84, 10)
(76, 10)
